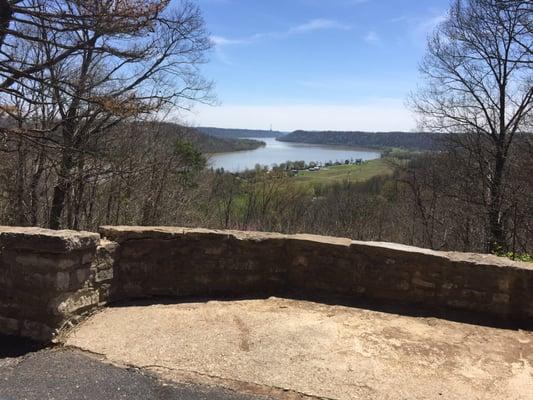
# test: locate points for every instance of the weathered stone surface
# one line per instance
(68, 304)
(62, 280)
(44, 240)
(9, 326)
(48, 262)
(104, 275)
(37, 266)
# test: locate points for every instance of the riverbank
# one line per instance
(346, 173)
(275, 153)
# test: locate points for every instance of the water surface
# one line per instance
(275, 153)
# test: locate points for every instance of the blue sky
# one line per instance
(315, 64)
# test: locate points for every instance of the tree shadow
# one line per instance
(416, 310)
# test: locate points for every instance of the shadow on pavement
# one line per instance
(11, 347)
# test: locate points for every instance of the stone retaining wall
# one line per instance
(45, 279)
(49, 279)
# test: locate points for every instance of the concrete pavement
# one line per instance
(278, 347)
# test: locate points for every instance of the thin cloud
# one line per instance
(335, 2)
(318, 25)
(429, 24)
(314, 25)
(421, 25)
(371, 37)
(223, 41)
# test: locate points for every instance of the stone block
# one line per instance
(475, 296)
(501, 298)
(104, 275)
(402, 285)
(69, 304)
(9, 326)
(423, 284)
(62, 280)
(449, 286)
(104, 293)
(504, 284)
(528, 310)
(87, 257)
(39, 240)
(82, 276)
(47, 261)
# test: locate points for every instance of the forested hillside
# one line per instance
(240, 133)
(206, 143)
(407, 140)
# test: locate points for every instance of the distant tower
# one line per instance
(270, 128)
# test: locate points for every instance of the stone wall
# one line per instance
(50, 279)
(44, 279)
(192, 262)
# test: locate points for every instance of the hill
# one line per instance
(240, 133)
(407, 140)
(204, 142)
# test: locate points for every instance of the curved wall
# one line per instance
(49, 279)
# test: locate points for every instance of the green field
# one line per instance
(342, 173)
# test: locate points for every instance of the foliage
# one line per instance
(523, 257)
(192, 158)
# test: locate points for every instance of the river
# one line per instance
(276, 152)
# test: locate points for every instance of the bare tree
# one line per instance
(98, 63)
(479, 76)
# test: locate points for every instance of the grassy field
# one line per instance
(342, 173)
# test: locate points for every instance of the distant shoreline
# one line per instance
(241, 144)
(367, 140)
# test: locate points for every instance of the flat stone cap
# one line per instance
(121, 234)
(46, 240)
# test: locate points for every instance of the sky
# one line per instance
(315, 64)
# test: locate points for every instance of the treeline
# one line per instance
(240, 133)
(406, 140)
(203, 142)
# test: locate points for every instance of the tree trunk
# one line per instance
(34, 184)
(6, 14)
(61, 189)
(497, 240)
(19, 211)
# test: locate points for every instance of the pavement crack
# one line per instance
(239, 386)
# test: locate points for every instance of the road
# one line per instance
(66, 374)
